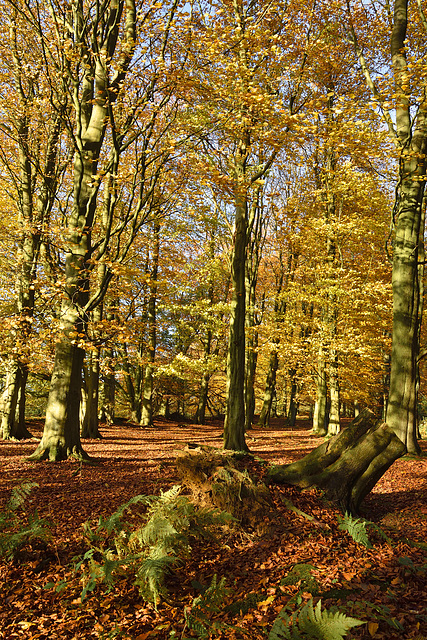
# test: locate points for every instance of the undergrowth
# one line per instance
(150, 551)
(17, 527)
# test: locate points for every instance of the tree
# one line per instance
(406, 29)
(32, 131)
(90, 50)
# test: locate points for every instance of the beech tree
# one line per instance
(32, 134)
(89, 51)
(406, 28)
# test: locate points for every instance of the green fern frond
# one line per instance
(356, 528)
(301, 574)
(113, 522)
(311, 623)
(20, 494)
(150, 577)
(15, 532)
(210, 602)
(150, 551)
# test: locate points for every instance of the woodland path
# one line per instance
(384, 586)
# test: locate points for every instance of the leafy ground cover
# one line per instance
(298, 552)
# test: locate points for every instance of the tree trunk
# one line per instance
(90, 427)
(12, 425)
(412, 135)
(107, 413)
(234, 424)
(334, 390)
(61, 435)
(348, 465)
(270, 386)
(200, 416)
(147, 387)
(319, 416)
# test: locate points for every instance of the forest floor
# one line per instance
(265, 568)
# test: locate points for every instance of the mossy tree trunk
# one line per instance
(93, 96)
(347, 466)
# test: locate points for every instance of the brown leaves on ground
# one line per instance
(383, 586)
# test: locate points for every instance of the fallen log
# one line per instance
(347, 466)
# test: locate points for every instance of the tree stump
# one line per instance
(347, 466)
(214, 481)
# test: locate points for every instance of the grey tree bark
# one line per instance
(92, 100)
(409, 134)
(347, 466)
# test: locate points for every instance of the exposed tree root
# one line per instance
(347, 466)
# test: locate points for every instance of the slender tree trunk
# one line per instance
(234, 425)
(293, 406)
(334, 390)
(13, 402)
(133, 391)
(270, 387)
(147, 388)
(33, 212)
(90, 427)
(319, 416)
(107, 413)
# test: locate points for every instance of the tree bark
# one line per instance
(347, 466)
(412, 135)
(270, 386)
(334, 390)
(61, 434)
(147, 387)
(319, 416)
(234, 424)
(90, 426)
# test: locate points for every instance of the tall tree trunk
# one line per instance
(412, 134)
(90, 426)
(334, 391)
(132, 390)
(293, 405)
(13, 402)
(107, 413)
(61, 434)
(147, 387)
(34, 208)
(253, 256)
(234, 425)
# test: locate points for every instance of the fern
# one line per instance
(152, 550)
(356, 527)
(301, 573)
(198, 616)
(309, 623)
(15, 532)
(20, 494)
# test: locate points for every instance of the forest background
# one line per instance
(203, 207)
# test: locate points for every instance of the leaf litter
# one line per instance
(276, 567)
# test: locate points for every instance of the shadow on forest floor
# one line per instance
(132, 461)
